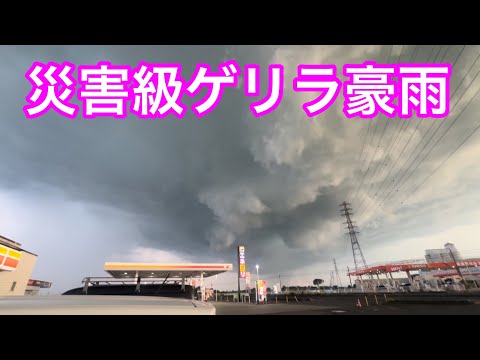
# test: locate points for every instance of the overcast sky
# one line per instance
(81, 192)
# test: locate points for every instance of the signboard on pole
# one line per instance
(242, 271)
(262, 291)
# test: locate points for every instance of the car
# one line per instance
(151, 289)
(102, 305)
(113, 298)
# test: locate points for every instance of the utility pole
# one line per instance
(458, 268)
(339, 283)
(358, 257)
(238, 275)
(470, 273)
(280, 280)
(349, 276)
(238, 291)
(332, 279)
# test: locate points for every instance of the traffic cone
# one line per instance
(359, 304)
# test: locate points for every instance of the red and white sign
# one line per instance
(404, 267)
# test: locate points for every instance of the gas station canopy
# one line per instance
(171, 271)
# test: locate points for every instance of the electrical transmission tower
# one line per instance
(332, 279)
(358, 257)
(339, 283)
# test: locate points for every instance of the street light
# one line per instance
(256, 286)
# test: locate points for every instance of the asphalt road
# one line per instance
(347, 306)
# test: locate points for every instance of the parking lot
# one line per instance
(349, 305)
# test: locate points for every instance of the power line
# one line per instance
(381, 136)
(359, 159)
(444, 54)
(441, 137)
(439, 50)
(400, 184)
(377, 171)
(371, 140)
(398, 157)
(408, 141)
(431, 125)
(374, 132)
(391, 186)
(366, 136)
(381, 186)
(444, 161)
(397, 137)
(365, 173)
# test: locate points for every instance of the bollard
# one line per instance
(366, 300)
(376, 300)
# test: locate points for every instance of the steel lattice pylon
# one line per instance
(358, 257)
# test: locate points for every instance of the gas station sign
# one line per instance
(242, 266)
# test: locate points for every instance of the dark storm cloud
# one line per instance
(153, 168)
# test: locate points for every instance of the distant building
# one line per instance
(468, 267)
(34, 286)
(16, 266)
(443, 269)
(442, 255)
(277, 288)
